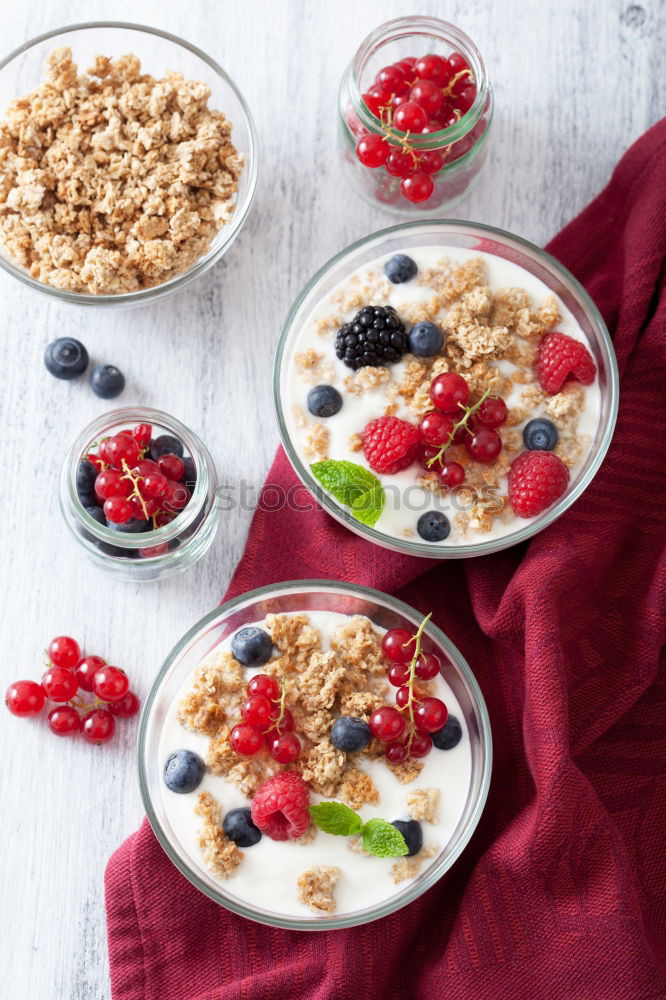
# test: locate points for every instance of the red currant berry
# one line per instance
(421, 745)
(171, 466)
(410, 117)
(143, 508)
(177, 496)
(118, 510)
(246, 740)
(98, 726)
(264, 684)
(24, 698)
(430, 715)
(432, 67)
(60, 684)
(484, 445)
(399, 163)
(492, 412)
(450, 475)
(142, 434)
(399, 99)
(86, 671)
(111, 483)
(64, 721)
(155, 486)
(96, 461)
(428, 95)
(374, 103)
(102, 449)
(457, 63)
(407, 64)
(287, 721)
(126, 707)
(258, 711)
(387, 724)
(110, 683)
(402, 697)
(432, 125)
(123, 448)
(145, 467)
(395, 753)
(417, 187)
(392, 79)
(431, 161)
(465, 98)
(427, 459)
(64, 651)
(427, 666)
(398, 645)
(435, 428)
(372, 150)
(449, 392)
(163, 518)
(285, 748)
(398, 674)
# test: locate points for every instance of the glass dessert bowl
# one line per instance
(320, 644)
(445, 389)
(99, 221)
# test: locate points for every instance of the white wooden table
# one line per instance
(575, 85)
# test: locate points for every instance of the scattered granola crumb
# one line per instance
(423, 804)
(357, 788)
(407, 770)
(316, 886)
(315, 443)
(220, 854)
(410, 867)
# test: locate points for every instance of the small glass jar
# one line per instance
(148, 555)
(462, 147)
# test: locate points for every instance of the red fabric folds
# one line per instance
(561, 894)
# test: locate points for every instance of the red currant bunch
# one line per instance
(266, 722)
(66, 676)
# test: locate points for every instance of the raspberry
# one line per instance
(390, 444)
(560, 357)
(536, 480)
(280, 807)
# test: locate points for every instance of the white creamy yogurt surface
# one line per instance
(405, 499)
(268, 873)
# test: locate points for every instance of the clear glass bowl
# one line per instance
(470, 236)
(128, 556)
(158, 51)
(299, 595)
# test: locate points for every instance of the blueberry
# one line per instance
(425, 339)
(107, 381)
(252, 646)
(66, 358)
(96, 513)
(324, 401)
(350, 734)
(183, 771)
(411, 831)
(400, 268)
(86, 474)
(449, 736)
(433, 526)
(540, 435)
(190, 475)
(131, 527)
(165, 444)
(238, 826)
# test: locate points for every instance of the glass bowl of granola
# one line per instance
(314, 812)
(445, 389)
(128, 167)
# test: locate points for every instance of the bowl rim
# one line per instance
(428, 550)
(231, 229)
(411, 892)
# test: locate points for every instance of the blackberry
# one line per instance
(375, 336)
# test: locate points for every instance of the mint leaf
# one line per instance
(353, 486)
(383, 840)
(336, 818)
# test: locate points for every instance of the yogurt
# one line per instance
(266, 878)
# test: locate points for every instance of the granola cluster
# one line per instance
(113, 181)
(483, 330)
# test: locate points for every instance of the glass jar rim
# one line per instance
(430, 26)
(157, 536)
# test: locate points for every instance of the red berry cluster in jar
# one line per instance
(416, 97)
(67, 675)
(136, 481)
(455, 421)
(266, 722)
(406, 728)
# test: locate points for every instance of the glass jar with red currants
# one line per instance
(415, 112)
(138, 492)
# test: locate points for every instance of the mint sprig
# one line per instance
(380, 838)
(354, 486)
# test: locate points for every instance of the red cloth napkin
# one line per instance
(560, 894)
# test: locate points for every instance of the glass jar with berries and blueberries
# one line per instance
(415, 108)
(138, 492)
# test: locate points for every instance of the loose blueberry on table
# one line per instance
(67, 675)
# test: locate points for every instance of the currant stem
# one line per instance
(412, 677)
(134, 480)
(469, 410)
(283, 695)
(447, 91)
